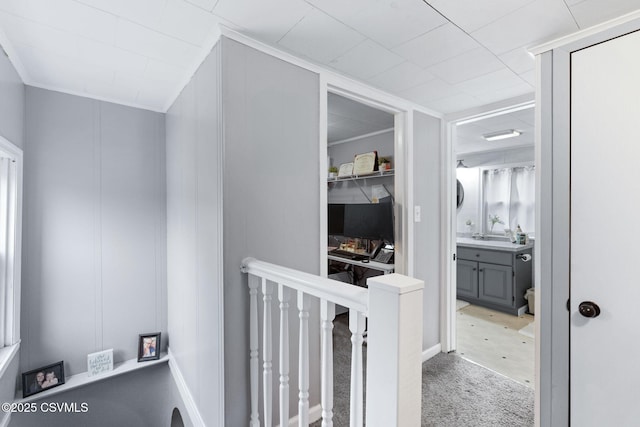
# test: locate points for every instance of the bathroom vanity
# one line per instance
(494, 274)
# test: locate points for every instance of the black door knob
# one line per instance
(589, 309)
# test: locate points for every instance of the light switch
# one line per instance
(417, 212)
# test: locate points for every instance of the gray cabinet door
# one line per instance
(467, 281)
(495, 283)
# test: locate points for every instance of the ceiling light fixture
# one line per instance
(503, 134)
(461, 165)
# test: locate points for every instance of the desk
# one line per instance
(373, 265)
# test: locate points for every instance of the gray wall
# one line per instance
(344, 152)
(8, 383)
(94, 229)
(143, 398)
(427, 235)
(271, 198)
(12, 101)
(194, 255)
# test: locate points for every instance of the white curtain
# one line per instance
(509, 194)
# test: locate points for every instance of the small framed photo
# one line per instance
(42, 379)
(149, 347)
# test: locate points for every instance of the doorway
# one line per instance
(363, 124)
(360, 184)
(493, 229)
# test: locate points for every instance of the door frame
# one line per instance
(403, 177)
(448, 301)
(552, 251)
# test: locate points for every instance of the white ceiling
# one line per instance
(469, 135)
(446, 55)
(348, 119)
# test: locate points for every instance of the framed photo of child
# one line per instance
(42, 379)
(149, 347)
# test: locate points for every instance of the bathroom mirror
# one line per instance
(460, 193)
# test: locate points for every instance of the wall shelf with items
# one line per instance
(362, 185)
(82, 379)
(378, 174)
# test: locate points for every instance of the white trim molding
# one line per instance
(431, 352)
(505, 106)
(185, 393)
(11, 321)
(6, 419)
(586, 33)
(6, 356)
(355, 138)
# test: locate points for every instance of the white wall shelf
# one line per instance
(357, 178)
(377, 174)
(82, 379)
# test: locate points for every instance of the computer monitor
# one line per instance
(336, 219)
(369, 221)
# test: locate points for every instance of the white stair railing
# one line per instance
(392, 305)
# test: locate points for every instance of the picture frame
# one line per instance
(346, 170)
(42, 379)
(149, 347)
(365, 163)
(99, 362)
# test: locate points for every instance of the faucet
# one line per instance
(478, 236)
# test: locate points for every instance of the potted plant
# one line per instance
(384, 163)
(494, 219)
(333, 172)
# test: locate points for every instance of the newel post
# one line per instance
(394, 351)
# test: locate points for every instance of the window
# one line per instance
(509, 195)
(10, 241)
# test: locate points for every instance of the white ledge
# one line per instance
(6, 356)
(82, 379)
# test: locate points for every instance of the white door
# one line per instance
(605, 230)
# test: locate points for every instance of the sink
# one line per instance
(494, 238)
(490, 243)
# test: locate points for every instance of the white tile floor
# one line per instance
(498, 341)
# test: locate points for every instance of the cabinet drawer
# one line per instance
(482, 255)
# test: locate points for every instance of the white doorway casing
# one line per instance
(450, 213)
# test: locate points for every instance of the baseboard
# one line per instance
(185, 394)
(315, 413)
(431, 351)
(522, 310)
(5, 419)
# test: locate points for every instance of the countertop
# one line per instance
(500, 245)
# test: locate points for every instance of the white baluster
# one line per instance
(283, 297)
(267, 372)
(357, 322)
(253, 348)
(327, 314)
(303, 362)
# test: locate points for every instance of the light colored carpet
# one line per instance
(455, 391)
